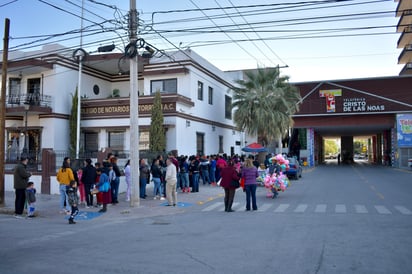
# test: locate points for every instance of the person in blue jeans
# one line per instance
(116, 182)
(184, 174)
(250, 174)
(156, 171)
(204, 168)
(212, 171)
(194, 169)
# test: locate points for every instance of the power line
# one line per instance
(257, 34)
(247, 52)
(8, 3)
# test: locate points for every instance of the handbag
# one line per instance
(94, 191)
(104, 187)
(235, 183)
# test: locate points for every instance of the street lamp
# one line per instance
(26, 137)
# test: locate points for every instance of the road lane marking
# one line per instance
(301, 208)
(213, 206)
(340, 208)
(361, 209)
(234, 205)
(320, 208)
(282, 208)
(382, 210)
(403, 210)
(264, 207)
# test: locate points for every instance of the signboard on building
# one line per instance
(404, 130)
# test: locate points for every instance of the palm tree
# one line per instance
(264, 104)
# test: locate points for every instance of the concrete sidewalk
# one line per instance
(47, 206)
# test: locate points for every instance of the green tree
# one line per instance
(331, 147)
(264, 104)
(157, 141)
(73, 124)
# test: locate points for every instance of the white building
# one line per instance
(196, 99)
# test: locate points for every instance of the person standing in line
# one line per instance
(249, 174)
(99, 194)
(31, 199)
(88, 179)
(64, 177)
(112, 179)
(104, 189)
(204, 169)
(229, 174)
(73, 200)
(21, 177)
(156, 171)
(212, 172)
(80, 186)
(184, 174)
(171, 181)
(116, 182)
(128, 180)
(194, 169)
(144, 177)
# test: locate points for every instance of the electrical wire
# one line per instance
(238, 44)
(257, 34)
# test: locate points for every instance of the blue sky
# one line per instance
(231, 34)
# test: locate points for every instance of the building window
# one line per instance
(90, 143)
(144, 140)
(228, 107)
(33, 91)
(210, 96)
(116, 140)
(200, 91)
(220, 144)
(200, 143)
(164, 86)
(14, 90)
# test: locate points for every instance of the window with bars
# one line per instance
(90, 141)
(200, 143)
(116, 140)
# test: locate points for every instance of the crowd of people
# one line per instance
(101, 180)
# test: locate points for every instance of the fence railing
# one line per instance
(34, 99)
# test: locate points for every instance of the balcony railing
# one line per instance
(34, 99)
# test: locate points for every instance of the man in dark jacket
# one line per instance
(21, 177)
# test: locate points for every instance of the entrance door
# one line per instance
(33, 91)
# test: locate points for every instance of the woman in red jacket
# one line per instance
(228, 174)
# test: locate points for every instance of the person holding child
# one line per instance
(21, 176)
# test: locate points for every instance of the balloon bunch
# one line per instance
(278, 181)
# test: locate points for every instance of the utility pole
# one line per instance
(134, 109)
(3, 108)
(79, 88)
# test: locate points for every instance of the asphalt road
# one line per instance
(335, 219)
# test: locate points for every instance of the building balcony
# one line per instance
(406, 55)
(406, 38)
(405, 21)
(402, 6)
(38, 103)
(407, 69)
